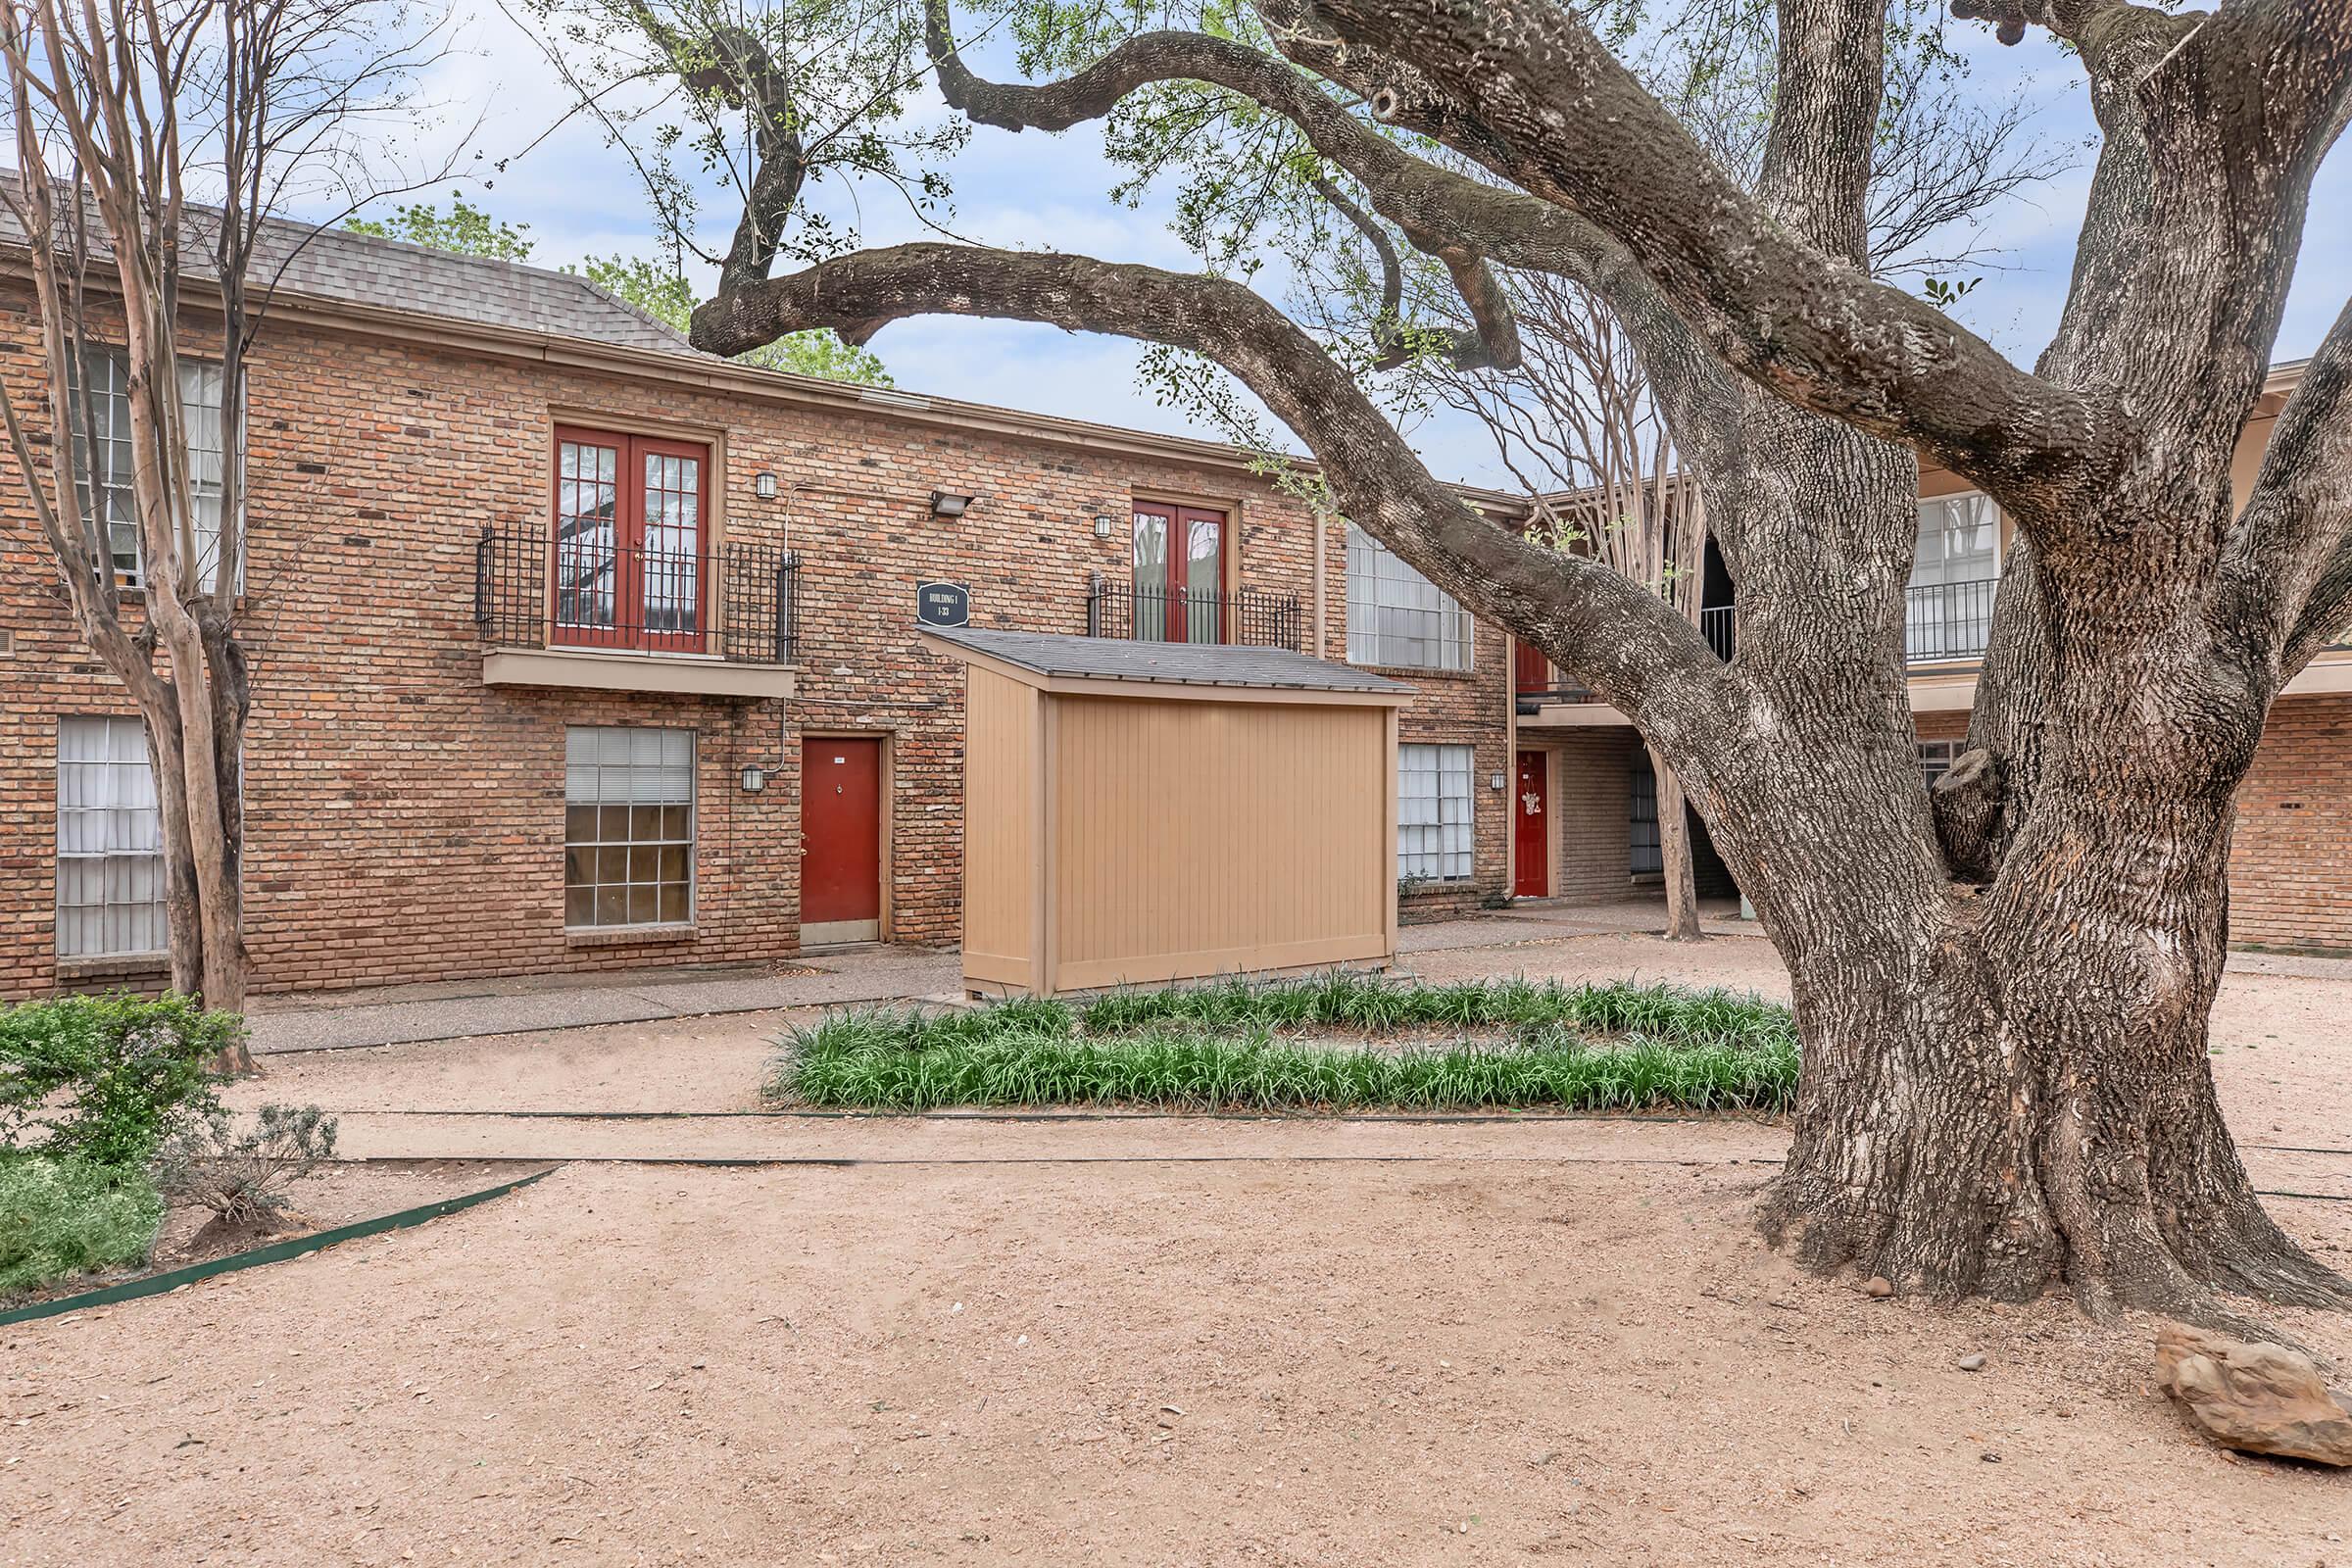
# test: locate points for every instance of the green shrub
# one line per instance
(66, 1216)
(107, 1079)
(1590, 1048)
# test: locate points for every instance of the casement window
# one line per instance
(1433, 813)
(1178, 573)
(1954, 574)
(106, 466)
(1936, 758)
(629, 826)
(630, 560)
(110, 841)
(1398, 618)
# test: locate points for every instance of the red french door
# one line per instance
(1178, 573)
(627, 567)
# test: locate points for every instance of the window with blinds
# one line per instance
(629, 826)
(105, 450)
(1433, 813)
(1398, 618)
(110, 841)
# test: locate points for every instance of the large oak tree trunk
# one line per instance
(2008, 1089)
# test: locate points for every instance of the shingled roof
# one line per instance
(333, 265)
(1173, 664)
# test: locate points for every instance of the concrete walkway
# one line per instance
(454, 1010)
(458, 1010)
(401, 1015)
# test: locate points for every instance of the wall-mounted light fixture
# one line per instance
(755, 779)
(1495, 781)
(763, 485)
(948, 504)
(1103, 522)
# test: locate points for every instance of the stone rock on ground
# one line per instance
(2264, 1398)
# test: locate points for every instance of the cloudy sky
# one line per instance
(580, 198)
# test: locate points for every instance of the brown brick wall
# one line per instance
(2291, 862)
(1590, 778)
(1467, 708)
(405, 822)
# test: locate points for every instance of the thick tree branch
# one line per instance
(1626, 642)
(1825, 118)
(2290, 570)
(1334, 133)
(1464, 222)
(1558, 115)
(730, 66)
(1492, 342)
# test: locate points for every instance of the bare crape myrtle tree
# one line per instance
(153, 142)
(2002, 987)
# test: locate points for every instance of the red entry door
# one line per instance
(1530, 845)
(840, 839)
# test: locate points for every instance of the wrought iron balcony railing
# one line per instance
(1948, 620)
(735, 603)
(1250, 616)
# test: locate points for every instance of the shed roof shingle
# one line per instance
(1177, 663)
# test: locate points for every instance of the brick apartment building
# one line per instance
(576, 648)
(550, 616)
(2291, 858)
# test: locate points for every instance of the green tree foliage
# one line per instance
(663, 294)
(464, 230)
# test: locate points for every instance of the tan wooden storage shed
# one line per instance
(1136, 812)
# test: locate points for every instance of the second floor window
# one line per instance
(106, 466)
(630, 563)
(1397, 616)
(1959, 540)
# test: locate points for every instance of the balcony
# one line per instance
(1536, 684)
(1947, 621)
(598, 615)
(1251, 617)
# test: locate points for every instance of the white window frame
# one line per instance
(1393, 612)
(1436, 833)
(627, 770)
(106, 373)
(1946, 504)
(109, 841)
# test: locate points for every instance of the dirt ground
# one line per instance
(1132, 1341)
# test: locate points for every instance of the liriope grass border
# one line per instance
(1232, 1046)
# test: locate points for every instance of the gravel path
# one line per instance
(1364, 1365)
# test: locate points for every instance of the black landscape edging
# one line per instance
(274, 1253)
